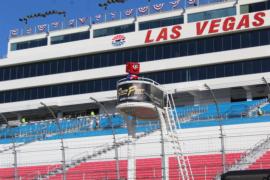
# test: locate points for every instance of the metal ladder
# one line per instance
(173, 125)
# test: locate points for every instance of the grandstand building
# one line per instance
(202, 54)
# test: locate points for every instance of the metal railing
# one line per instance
(112, 16)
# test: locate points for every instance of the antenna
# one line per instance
(25, 19)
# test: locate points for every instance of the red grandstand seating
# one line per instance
(262, 163)
(148, 168)
(204, 167)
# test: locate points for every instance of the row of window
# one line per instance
(255, 7)
(70, 37)
(149, 53)
(163, 77)
(28, 44)
(161, 22)
(212, 14)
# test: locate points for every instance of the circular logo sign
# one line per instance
(118, 40)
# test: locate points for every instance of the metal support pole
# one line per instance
(222, 143)
(268, 87)
(131, 126)
(61, 139)
(163, 154)
(15, 158)
(13, 149)
(114, 137)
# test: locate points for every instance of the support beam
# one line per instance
(165, 161)
(222, 143)
(131, 125)
(61, 139)
(114, 137)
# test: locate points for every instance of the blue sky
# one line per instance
(11, 11)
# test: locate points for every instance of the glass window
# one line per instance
(218, 13)
(114, 30)
(255, 38)
(245, 40)
(264, 37)
(161, 22)
(236, 39)
(218, 41)
(28, 44)
(70, 37)
(227, 42)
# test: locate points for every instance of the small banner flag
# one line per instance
(28, 30)
(113, 14)
(55, 24)
(14, 32)
(42, 27)
(192, 2)
(71, 22)
(158, 7)
(83, 20)
(143, 9)
(128, 12)
(174, 4)
(98, 17)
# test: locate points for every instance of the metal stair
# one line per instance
(88, 156)
(250, 156)
(173, 126)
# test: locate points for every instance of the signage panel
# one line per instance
(140, 92)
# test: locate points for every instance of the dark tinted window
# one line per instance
(70, 37)
(114, 30)
(161, 22)
(28, 44)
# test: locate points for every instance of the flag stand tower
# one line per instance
(144, 99)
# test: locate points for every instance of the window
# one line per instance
(249, 8)
(161, 22)
(114, 30)
(70, 37)
(28, 44)
(218, 13)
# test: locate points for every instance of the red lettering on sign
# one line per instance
(147, 38)
(163, 34)
(176, 32)
(201, 28)
(244, 22)
(259, 21)
(214, 26)
(228, 24)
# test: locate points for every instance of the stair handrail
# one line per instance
(250, 151)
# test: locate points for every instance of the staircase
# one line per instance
(88, 156)
(173, 125)
(249, 157)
